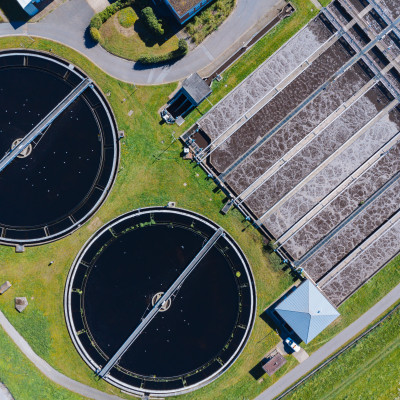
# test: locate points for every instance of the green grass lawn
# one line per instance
(132, 42)
(152, 173)
(23, 379)
(369, 370)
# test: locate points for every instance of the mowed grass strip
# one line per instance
(133, 40)
(369, 370)
(23, 379)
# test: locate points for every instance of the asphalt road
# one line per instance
(332, 346)
(68, 24)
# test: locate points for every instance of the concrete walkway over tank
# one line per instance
(68, 24)
(332, 346)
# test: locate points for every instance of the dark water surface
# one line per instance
(59, 177)
(196, 332)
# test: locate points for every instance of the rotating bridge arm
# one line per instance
(45, 122)
(154, 311)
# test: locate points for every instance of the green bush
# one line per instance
(95, 34)
(183, 49)
(101, 17)
(127, 17)
(96, 22)
(151, 21)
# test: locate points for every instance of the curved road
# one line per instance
(68, 25)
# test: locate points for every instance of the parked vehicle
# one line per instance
(292, 344)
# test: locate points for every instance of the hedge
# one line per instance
(154, 59)
(101, 17)
(95, 34)
(152, 22)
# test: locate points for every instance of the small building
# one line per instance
(183, 10)
(273, 363)
(193, 91)
(28, 6)
(307, 311)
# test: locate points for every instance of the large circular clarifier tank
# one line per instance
(66, 173)
(120, 274)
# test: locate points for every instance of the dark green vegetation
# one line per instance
(127, 17)
(152, 173)
(152, 22)
(369, 370)
(209, 19)
(172, 55)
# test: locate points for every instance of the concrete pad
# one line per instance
(281, 348)
(98, 5)
(301, 356)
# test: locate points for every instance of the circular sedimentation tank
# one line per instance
(122, 272)
(65, 174)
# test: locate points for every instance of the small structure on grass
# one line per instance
(20, 303)
(273, 363)
(307, 311)
(183, 10)
(5, 286)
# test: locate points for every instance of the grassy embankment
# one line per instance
(209, 19)
(23, 379)
(369, 370)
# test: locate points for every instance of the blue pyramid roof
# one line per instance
(307, 311)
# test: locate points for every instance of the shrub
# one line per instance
(127, 17)
(101, 17)
(151, 21)
(96, 22)
(95, 34)
(183, 48)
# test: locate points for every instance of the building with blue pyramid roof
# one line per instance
(307, 311)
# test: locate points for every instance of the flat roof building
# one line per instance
(183, 10)
(307, 311)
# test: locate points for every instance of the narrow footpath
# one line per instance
(49, 371)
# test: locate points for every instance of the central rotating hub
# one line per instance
(165, 306)
(25, 152)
